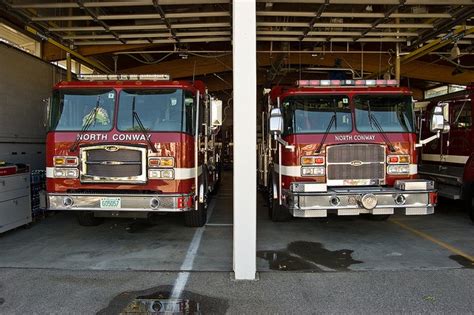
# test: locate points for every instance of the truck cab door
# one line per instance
(461, 127)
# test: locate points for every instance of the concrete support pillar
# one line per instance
(245, 138)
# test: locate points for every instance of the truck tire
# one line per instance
(471, 214)
(279, 213)
(87, 218)
(196, 218)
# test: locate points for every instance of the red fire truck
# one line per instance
(450, 159)
(131, 146)
(342, 146)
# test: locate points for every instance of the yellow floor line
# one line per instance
(432, 239)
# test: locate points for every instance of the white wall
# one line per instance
(24, 82)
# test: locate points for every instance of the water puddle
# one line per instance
(157, 301)
(463, 261)
(309, 256)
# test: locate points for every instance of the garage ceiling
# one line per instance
(193, 38)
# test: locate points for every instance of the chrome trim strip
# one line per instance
(457, 159)
(186, 173)
(294, 171)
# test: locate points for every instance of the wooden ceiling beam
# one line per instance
(186, 68)
(415, 69)
(198, 66)
(52, 53)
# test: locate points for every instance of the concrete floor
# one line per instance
(410, 264)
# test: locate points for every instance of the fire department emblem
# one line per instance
(356, 163)
(111, 148)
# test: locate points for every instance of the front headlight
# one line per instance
(313, 171)
(161, 174)
(398, 169)
(66, 172)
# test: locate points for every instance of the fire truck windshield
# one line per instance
(393, 112)
(158, 110)
(313, 114)
(72, 110)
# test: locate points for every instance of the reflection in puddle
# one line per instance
(309, 256)
(463, 261)
(161, 306)
(157, 301)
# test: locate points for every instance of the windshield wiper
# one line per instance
(331, 122)
(136, 117)
(379, 128)
(90, 120)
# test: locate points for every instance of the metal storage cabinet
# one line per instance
(15, 205)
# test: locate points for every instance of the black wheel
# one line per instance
(380, 217)
(471, 214)
(87, 218)
(196, 218)
(279, 213)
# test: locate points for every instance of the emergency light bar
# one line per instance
(332, 83)
(124, 77)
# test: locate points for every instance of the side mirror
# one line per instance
(440, 118)
(216, 112)
(47, 111)
(276, 121)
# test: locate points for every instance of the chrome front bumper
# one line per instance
(147, 203)
(409, 197)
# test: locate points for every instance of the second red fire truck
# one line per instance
(130, 146)
(450, 159)
(342, 146)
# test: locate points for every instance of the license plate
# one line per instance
(114, 203)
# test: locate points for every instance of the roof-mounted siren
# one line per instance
(342, 83)
(124, 77)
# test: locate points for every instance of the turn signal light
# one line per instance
(161, 162)
(398, 159)
(404, 159)
(71, 161)
(58, 161)
(312, 160)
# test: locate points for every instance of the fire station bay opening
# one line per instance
(167, 135)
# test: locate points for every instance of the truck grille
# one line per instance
(356, 164)
(112, 163)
